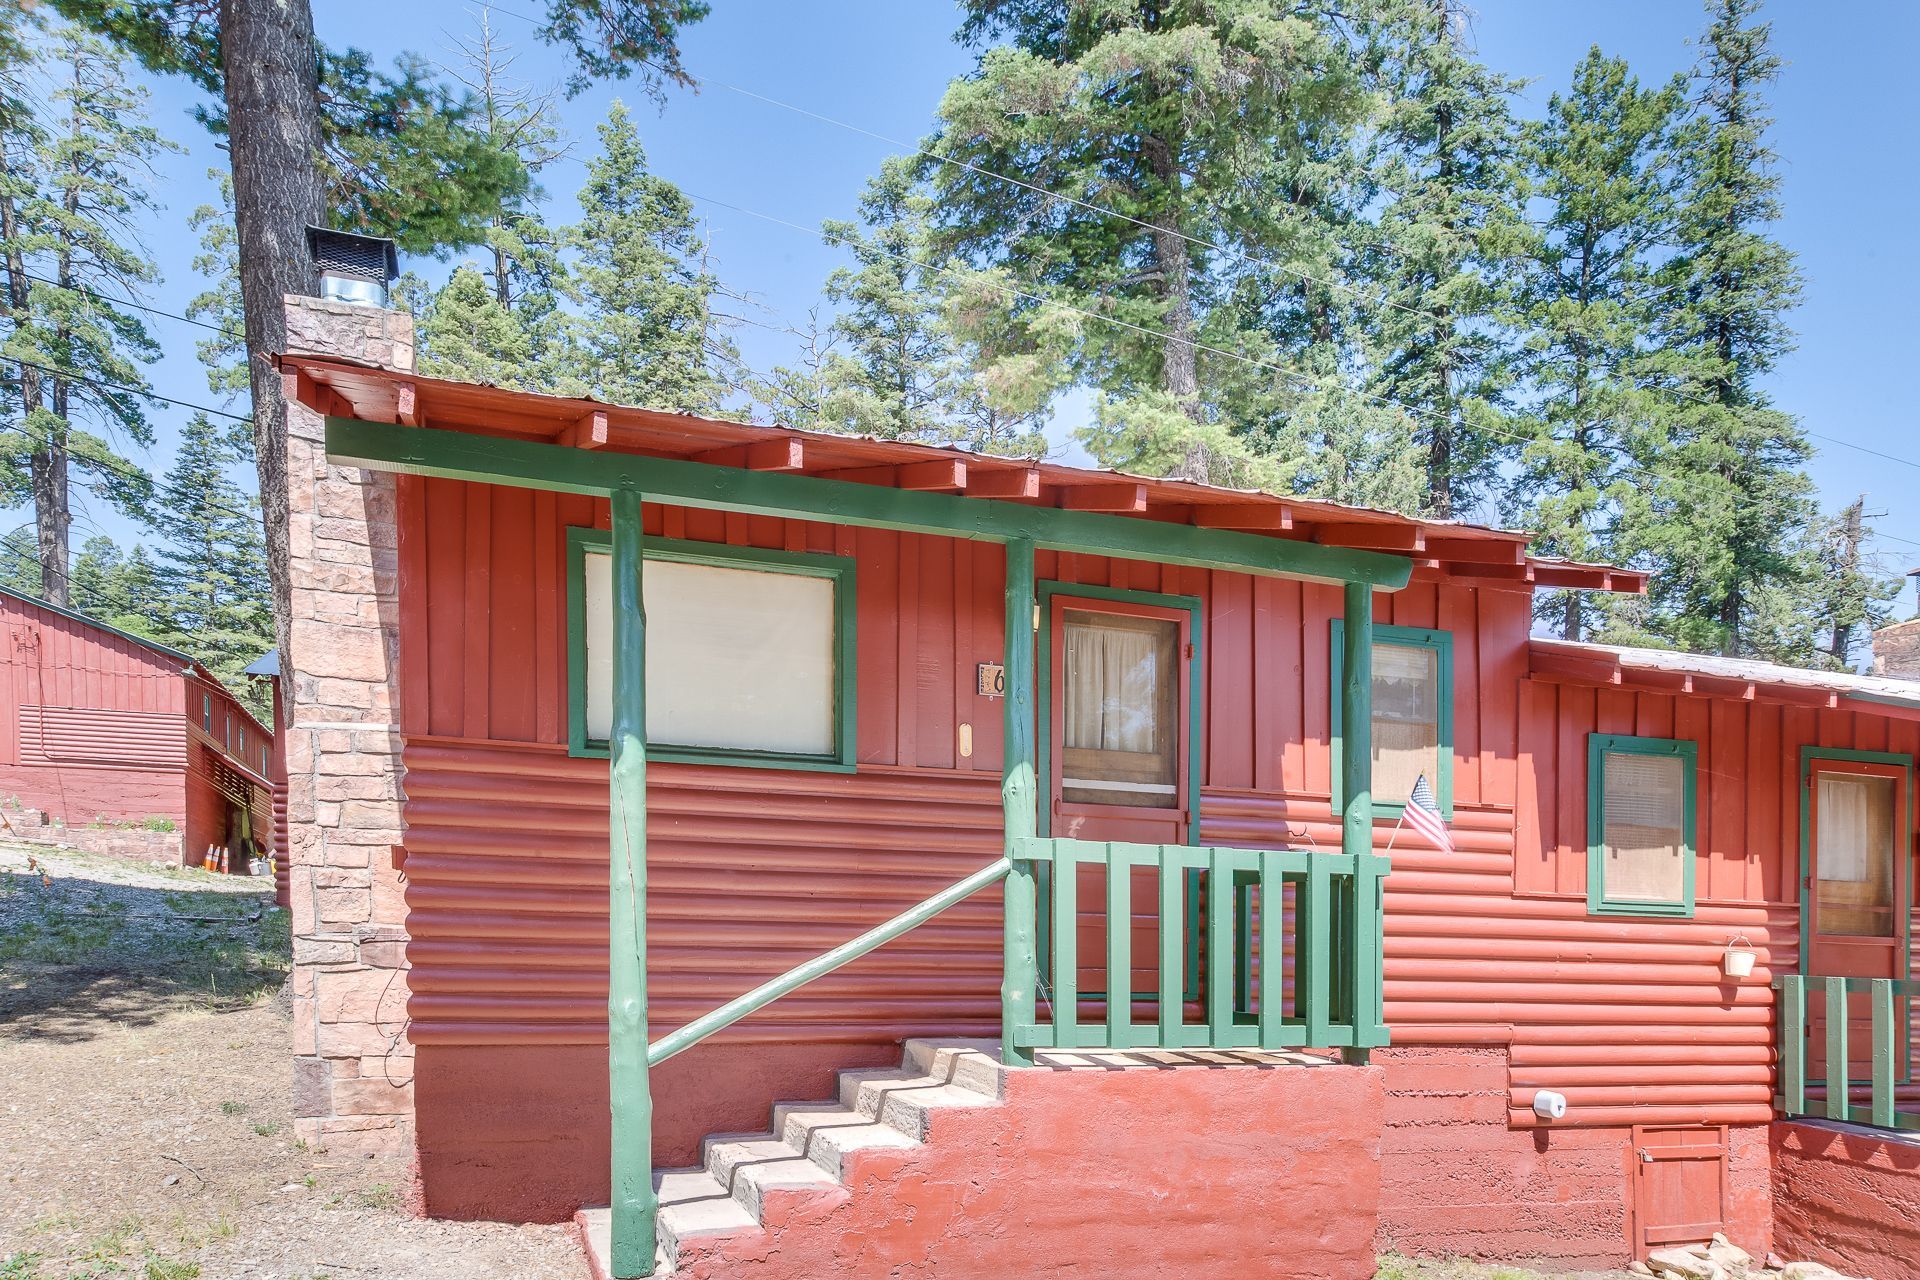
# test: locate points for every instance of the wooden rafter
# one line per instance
(1276, 516)
(589, 431)
(1003, 482)
(788, 453)
(1384, 536)
(1104, 497)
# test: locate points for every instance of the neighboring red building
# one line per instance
(1661, 863)
(100, 727)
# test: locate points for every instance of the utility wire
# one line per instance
(73, 376)
(138, 306)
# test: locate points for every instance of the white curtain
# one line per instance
(1113, 676)
(1847, 820)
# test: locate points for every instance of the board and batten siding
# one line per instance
(753, 871)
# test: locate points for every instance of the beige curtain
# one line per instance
(1113, 687)
(1644, 828)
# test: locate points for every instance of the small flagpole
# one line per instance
(1395, 833)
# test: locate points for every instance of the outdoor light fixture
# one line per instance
(352, 267)
(1549, 1105)
(1738, 960)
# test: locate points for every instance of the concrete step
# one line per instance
(692, 1207)
(754, 1167)
(827, 1134)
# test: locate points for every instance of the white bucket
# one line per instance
(1738, 960)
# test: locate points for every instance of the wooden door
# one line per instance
(1855, 896)
(1119, 720)
(1679, 1184)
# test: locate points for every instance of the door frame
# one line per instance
(1045, 594)
(1903, 866)
(1903, 847)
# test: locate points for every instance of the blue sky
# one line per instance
(881, 65)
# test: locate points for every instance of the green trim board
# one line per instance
(1441, 642)
(1043, 747)
(457, 455)
(1599, 747)
(582, 542)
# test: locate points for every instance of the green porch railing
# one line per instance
(1889, 1004)
(1321, 909)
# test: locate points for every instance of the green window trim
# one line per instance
(1599, 747)
(1441, 642)
(583, 542)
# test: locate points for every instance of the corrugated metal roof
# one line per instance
(1847, 684)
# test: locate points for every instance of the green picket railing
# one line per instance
(1889, 1056)
(1321, 909)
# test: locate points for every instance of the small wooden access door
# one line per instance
(1855, 896)
(1119, 670)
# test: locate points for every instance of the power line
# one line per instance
(138, 306)
(74, 376)
(132, 472)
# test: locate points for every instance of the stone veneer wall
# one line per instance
(353, 1064)
(132, 843)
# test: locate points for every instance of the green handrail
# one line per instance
(801, 974)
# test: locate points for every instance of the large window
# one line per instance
(1640, 825)
(749, 653)
(1412, 700)
(1856, 814)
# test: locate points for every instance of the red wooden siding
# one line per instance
(96, 726)
(755, 870)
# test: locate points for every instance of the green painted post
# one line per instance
(1019, 799)
(1880, 996)
(1793, 1045)
(633, 1202)
(1838, 1086)
(1356, 770)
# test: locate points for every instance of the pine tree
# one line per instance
(1602, 162)
(1444, 161)
(211, 573)
(1742, 548)
(467, 334)
(1181, 120)
(117, 589)
(224, 350)
(645, 333)
(74, 243)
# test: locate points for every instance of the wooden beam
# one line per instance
(1003, 482)
(1019, 808)
(1477, 550)
(406, 402)
(938, 475)
(1496, 572)
(589, 432)
(788, 453)
(459, 455)
(1244, 515)
(1402, 538)
(633, 1201)
(1588, 578)
(1594, 668)
(1104, 497)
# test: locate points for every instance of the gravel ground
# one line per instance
(144, 1123)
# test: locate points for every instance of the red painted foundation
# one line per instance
(519, 1133)
(1847, 1198)
(1457, 1181)
(1228, 1171)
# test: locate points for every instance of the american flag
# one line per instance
(1423, 815)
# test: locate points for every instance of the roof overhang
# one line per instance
(1706, 675)
(498, 436)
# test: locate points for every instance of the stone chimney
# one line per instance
(353, 1063)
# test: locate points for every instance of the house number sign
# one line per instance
(993, 680)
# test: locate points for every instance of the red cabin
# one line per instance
(649, 773)
(104, 733)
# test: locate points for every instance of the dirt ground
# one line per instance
(144, 1099)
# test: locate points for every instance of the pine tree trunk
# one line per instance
(29, 385)
(273, 131)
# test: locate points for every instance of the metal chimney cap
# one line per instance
(348, 253)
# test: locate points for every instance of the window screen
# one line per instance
(738, 658)
(1645, 828)
(1853, 853)
(1406, 720)
(1121, 735)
